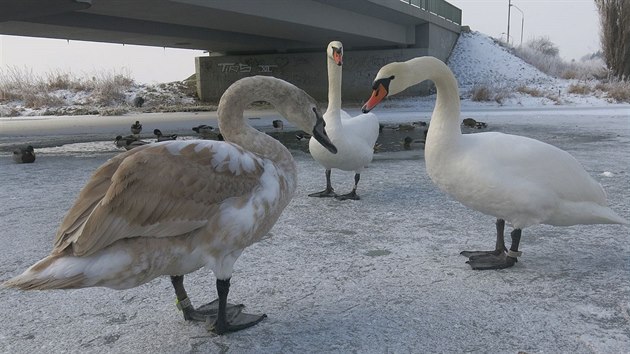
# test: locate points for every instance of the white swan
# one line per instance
(193, 203)
(354, 137)
(516, 179)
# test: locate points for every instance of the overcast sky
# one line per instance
(573, 25)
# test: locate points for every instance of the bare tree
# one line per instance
(543, 45)
(542, 53)
(614, 16)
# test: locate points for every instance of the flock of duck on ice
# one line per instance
(224, 196)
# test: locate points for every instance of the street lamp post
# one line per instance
(522, 21)
(508, 29)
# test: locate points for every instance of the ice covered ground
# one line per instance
(382, 274)
(379, 275)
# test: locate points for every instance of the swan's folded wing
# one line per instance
(364, 125)
(344, 114)
(165, 190)
(90, 196)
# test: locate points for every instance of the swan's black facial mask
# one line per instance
(319, 133)
(337, 54)
(380, 90)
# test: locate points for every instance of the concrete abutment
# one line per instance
(308, 70)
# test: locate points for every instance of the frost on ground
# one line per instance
(488, 71)
(481, 60)
(382, 274)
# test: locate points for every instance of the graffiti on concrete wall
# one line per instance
(305, 70)
(246, 68)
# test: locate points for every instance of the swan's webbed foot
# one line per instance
(489, 260)
(352, 195)
(229, 321)
(236, 321)
(203, 312)
(326, 193)
(501, 257)
(220, 316)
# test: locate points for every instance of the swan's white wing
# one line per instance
(159, 190)
(515, 158)
(344, 114)
(522, 180)
(364, 126)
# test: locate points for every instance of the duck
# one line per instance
(122, 141)
(207, 132)
(129, 142)
(162, 137)
(207, 202)
(406, 127)
(136, 128)
(135, 144)
(24, 155)
(277, 124)
(409, 143)
(354, 137)
(472, 123)
(518, 180)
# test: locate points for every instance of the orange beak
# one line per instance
(378, 94)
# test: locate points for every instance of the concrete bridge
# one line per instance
(283, 38)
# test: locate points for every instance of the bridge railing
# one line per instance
(439, 8)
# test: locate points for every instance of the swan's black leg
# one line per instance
(499, 245)
(329, 191)
(230, 322)
(353, 194)
(514, 253)
(500, 261)
(202, 313)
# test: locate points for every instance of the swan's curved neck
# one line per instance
(334, 85)
(235, 127)
(445, 119)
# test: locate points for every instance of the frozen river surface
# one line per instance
(378, 275)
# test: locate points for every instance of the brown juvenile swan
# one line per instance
(206, 203)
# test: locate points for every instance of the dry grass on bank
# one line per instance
(107, 93)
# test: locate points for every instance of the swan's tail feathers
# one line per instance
(608, 216)
(47, 274)
(622, 221)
